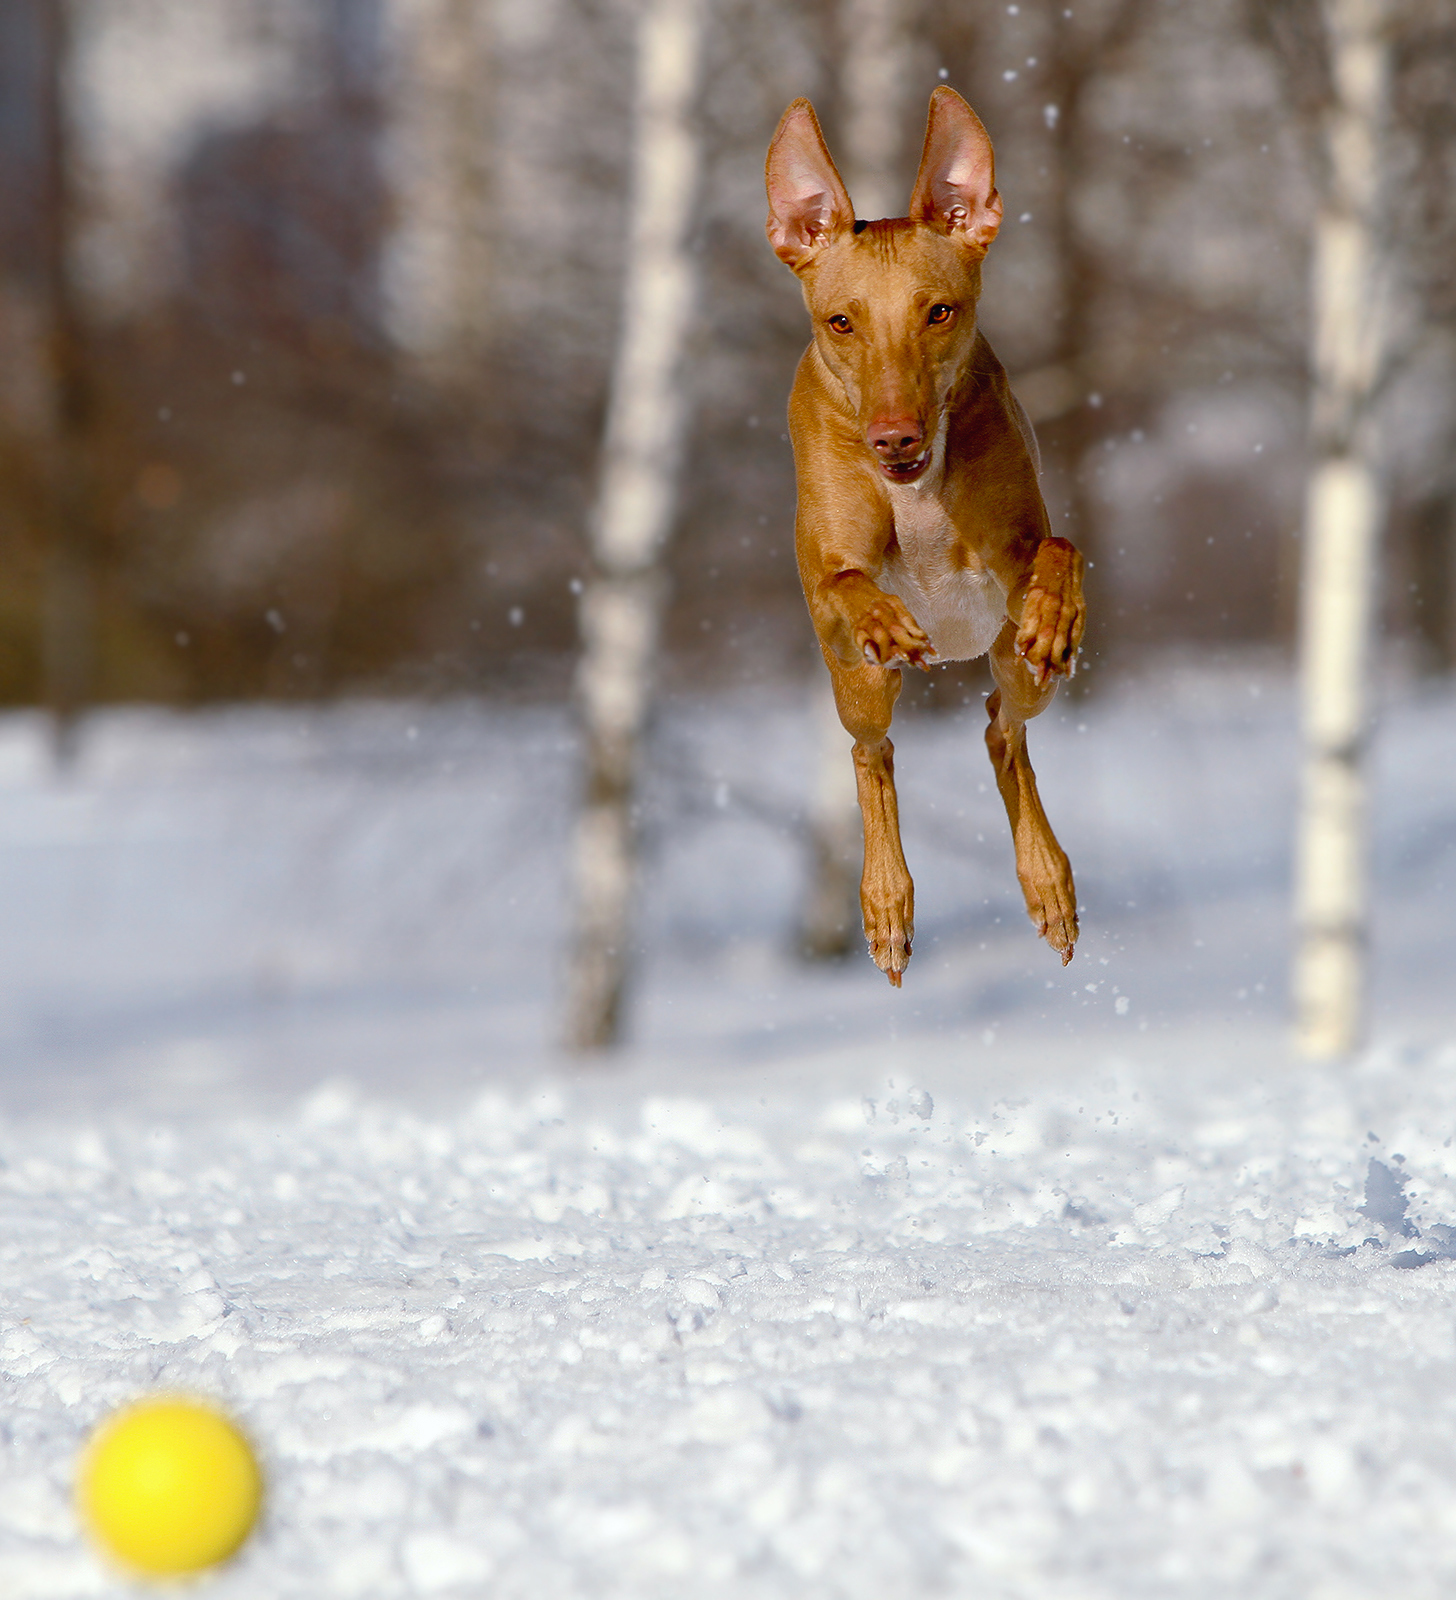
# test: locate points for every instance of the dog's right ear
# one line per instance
(808, 205)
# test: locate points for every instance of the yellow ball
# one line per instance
(169, 1486)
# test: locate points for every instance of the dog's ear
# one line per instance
(956, 186)
(808, 205)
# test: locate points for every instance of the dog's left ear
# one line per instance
(956, 186)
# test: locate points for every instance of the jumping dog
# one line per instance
(921, 532)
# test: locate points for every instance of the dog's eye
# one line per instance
(941, 314)
(840, 324)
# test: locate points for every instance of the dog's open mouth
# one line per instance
(905, 471)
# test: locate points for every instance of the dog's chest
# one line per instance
(960, 606)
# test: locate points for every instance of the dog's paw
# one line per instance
(1054, 612)
(890, 932)
(1051, 898)
(887, 635)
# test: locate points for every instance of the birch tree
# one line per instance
(1342, 522)
(873, 90)
(621, 608)
(441, 270)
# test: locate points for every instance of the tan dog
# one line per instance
(921, 532)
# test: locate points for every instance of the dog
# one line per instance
(921, 533)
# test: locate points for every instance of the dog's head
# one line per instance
(893, 302)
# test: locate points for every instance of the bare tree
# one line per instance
(1065, 393)
(1423, 124)
(872, 96)
(441, 142)
(69, 598)
(1344, 512)
(621, 610)
(874, 87)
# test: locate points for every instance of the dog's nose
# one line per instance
(895, 436)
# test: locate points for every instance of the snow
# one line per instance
(995, 1287)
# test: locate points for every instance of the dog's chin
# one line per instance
(905, 471)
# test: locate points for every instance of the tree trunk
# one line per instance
(1063, 397)
(68, 611)
(621, 609)
(872, 99)
(1344, 512)
(441, 138)
(874, 46)
(1433, 567)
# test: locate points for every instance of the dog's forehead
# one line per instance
(890, 262)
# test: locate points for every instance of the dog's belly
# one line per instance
(961, 608)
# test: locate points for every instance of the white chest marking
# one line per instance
(961, 608)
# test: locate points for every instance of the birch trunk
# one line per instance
(1344, 512)
(874, 48)
(440, 264)
(621, 609)
(872, 94)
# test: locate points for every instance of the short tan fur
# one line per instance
(921, 532)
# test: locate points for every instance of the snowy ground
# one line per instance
(1023, 1282)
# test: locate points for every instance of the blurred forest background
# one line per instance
(308, 309)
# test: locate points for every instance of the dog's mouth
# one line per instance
(905, 471)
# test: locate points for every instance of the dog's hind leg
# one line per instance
(865, 696)
(1041, 863)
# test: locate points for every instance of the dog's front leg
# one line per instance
(842, 537)
(1053, 611)
(865, 695)
(856, 621)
